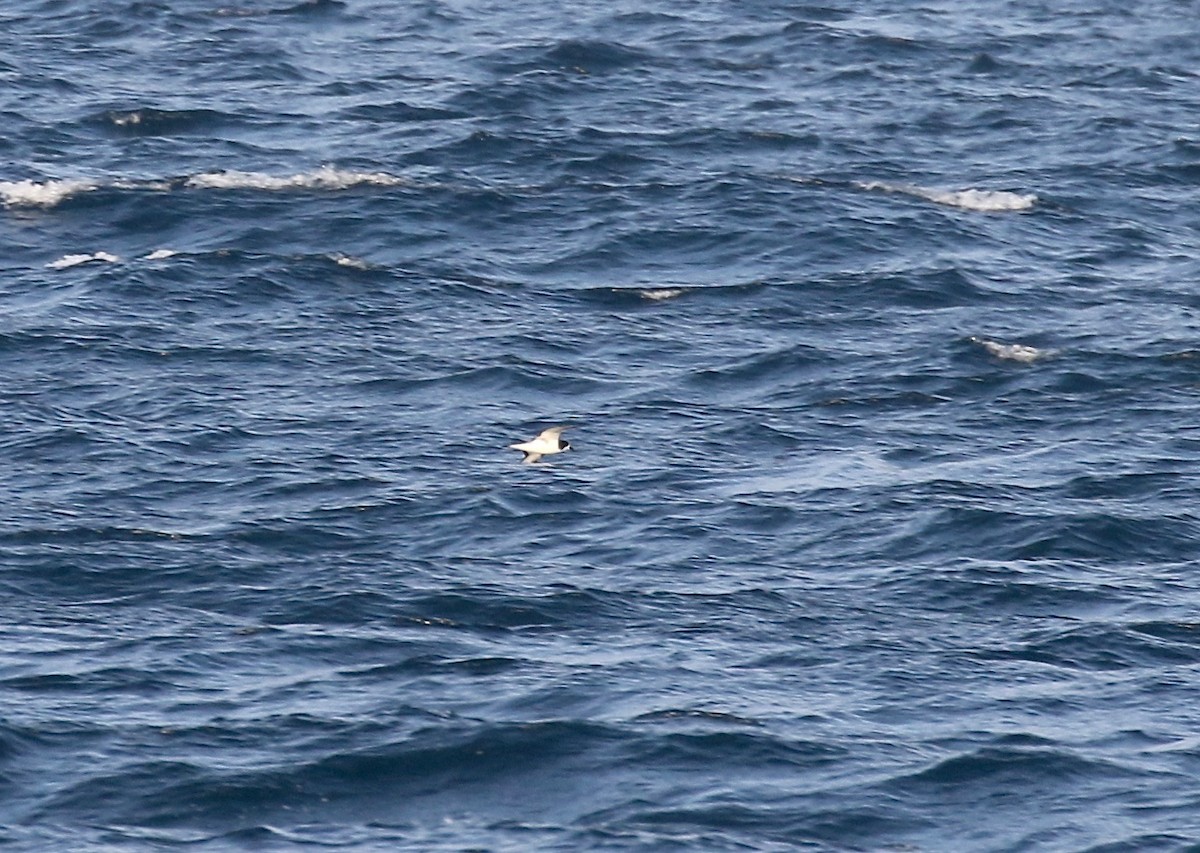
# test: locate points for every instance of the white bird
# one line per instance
(546, 443)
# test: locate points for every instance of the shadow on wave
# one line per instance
(544, 771)
(151, 121)
(580, 56)
(305, 7)
(1104, 646)
(1016, 532)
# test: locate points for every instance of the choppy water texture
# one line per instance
(876, 325)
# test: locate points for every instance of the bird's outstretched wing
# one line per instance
(552, 434)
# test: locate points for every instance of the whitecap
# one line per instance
(987, 201)
(660, 293)
(984, 200)
(75, 260)
(50, 193)
(1010, 352)
(326, 178)
(41, 194)
(350, 261)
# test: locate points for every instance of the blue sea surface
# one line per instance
(877, 330)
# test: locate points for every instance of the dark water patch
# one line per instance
(1135, 843)
(1185, 633)
(694, 716)
(293, 537)
(722, 826)
(82, 535)
(400, 111)
(729, 818)
(117, 793)
(855, 826)
(351, 89)
(324, 606)
(789, 365)
(508, 99)
(595, 168)
(1001, 768)
(151, 121)
(1142, 486)
(1101, 536)
(984, 63)
(926, 289)
(495, 611)
(103, 681)
(729, 145)
(505, 379)
(311, 7)
(1003, 588)
(13, 742)
(302, 9)
(569, 55)
(731, 750)
(1104, 647)
(1004, 533)
(385, 783)
(433, 664)
(686, 244)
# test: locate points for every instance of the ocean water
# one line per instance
(875, 325)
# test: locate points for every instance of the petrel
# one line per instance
(546, 443)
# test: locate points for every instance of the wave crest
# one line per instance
(987, 201)
(51, 193)
(325, 178)
(67, 261)
(41, 194)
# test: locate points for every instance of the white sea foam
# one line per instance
(325, 178)
(660, 293)
(50, 193)
(350, 261)
(1011, 352)
(40, 194)
(988, 201)
(985, 200)
(75, 260)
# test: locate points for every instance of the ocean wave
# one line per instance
(150, 121)
(1104, 646)
(67, 261)
(324, 178)
(990, 766)
(305, 7)
(77, 259)
(42, 194)
(50, 193)
(986, 201)
(350, 261)
(1010, 352)
(661, 294)
(74, 260)
(881, 503)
